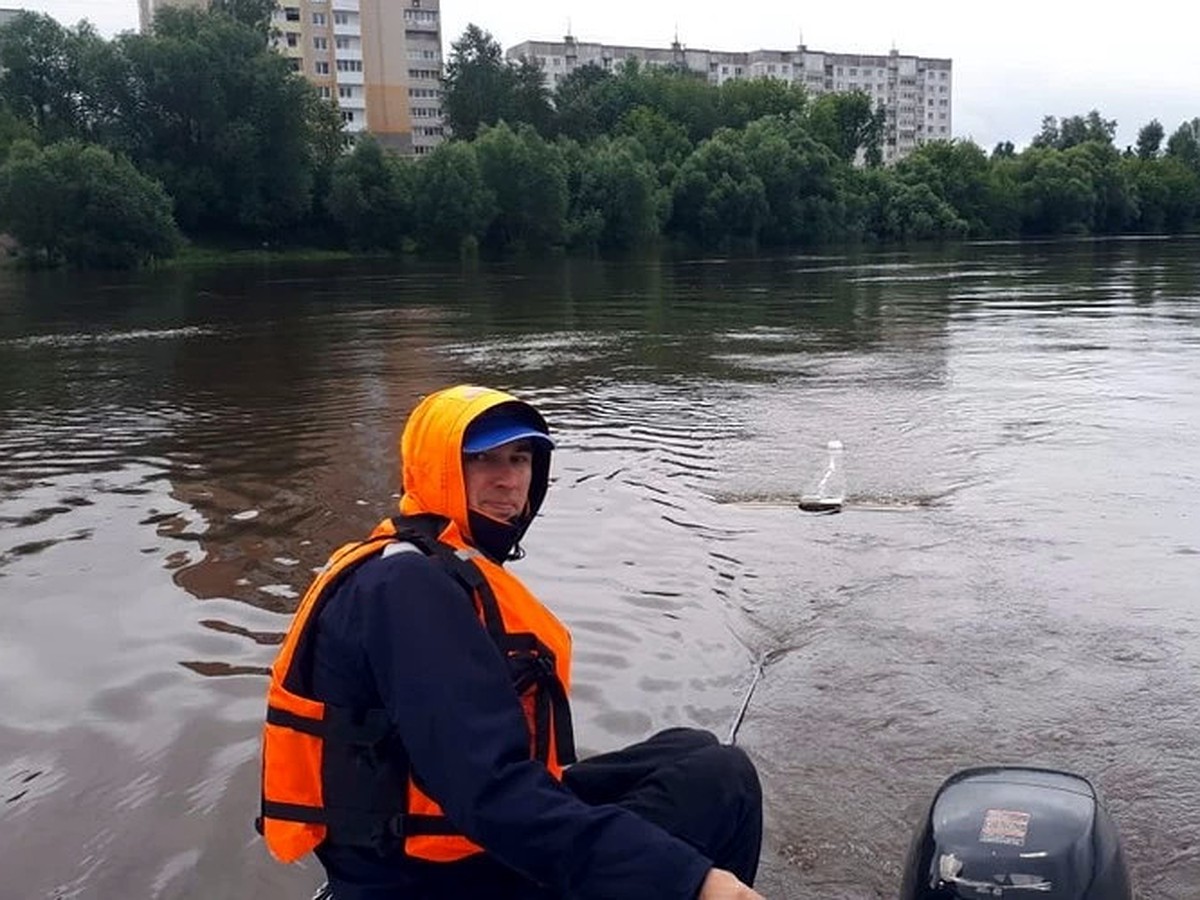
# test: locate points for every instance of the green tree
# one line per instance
(41, 76)
(895, 208)
(12, 129)
(1075, 130)
(529, 101)
(664, 142)
(1056, 198)
(80, 204)
(1100, 166)
(682, 96)
(1184, 144)
(743, 100)
(1150, 139)
(453, 206)
(1004, 150)
(371, 197)
(1049, 136)
(479, 83)
(1167, 195)
(528, 179)
(222, 121)
(802, 180)
(255, 14)
(717, 196)
(617, 203)
(575, 102)
(846, 123)
(958, 173)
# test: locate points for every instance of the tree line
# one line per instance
(114, 150)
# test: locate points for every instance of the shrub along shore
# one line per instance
(117, 153)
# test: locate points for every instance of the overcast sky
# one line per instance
(1014, 62)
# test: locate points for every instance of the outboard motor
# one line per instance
(1016, 833)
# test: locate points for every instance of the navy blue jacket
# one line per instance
(401, 635)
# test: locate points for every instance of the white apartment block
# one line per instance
(915, 92)
(380, 61)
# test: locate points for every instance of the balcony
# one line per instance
(350, 78)
(344, 5)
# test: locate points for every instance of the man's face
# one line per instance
(498, 480)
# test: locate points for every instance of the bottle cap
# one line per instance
(835, 445)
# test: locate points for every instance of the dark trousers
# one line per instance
(682, 780)
(690, 785)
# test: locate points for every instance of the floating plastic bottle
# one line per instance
(828, 494)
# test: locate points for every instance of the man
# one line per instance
(418, 732)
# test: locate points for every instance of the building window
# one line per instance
(292, 38)
(341, 18)
(324, 92)
(321, 67)
(342, 43)
(349, 65)
(291, 13)
(347, 115)
(346, 92)
(295, 63)
(319, 18)
(320, 43)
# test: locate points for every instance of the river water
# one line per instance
(1014, 578)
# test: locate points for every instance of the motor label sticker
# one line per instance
(1005, 826)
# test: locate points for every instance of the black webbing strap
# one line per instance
(356, 828)
(422, 532)
(529, 660)
(344, 725)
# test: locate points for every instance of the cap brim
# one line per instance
(490, 438)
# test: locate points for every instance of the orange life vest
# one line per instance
(339, 774)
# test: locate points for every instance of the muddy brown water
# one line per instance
(1013, 578)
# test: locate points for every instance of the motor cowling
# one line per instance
(1016, 833)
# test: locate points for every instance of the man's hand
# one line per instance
(722, 885)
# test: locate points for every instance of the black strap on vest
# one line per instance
(529, 661)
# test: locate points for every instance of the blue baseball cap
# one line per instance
(502, 427)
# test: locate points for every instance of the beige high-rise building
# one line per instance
(380, 61)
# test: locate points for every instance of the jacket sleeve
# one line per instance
(446, 688)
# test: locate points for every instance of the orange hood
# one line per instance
(431, 469)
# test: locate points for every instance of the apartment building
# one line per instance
(380, 61)
(915, 92)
